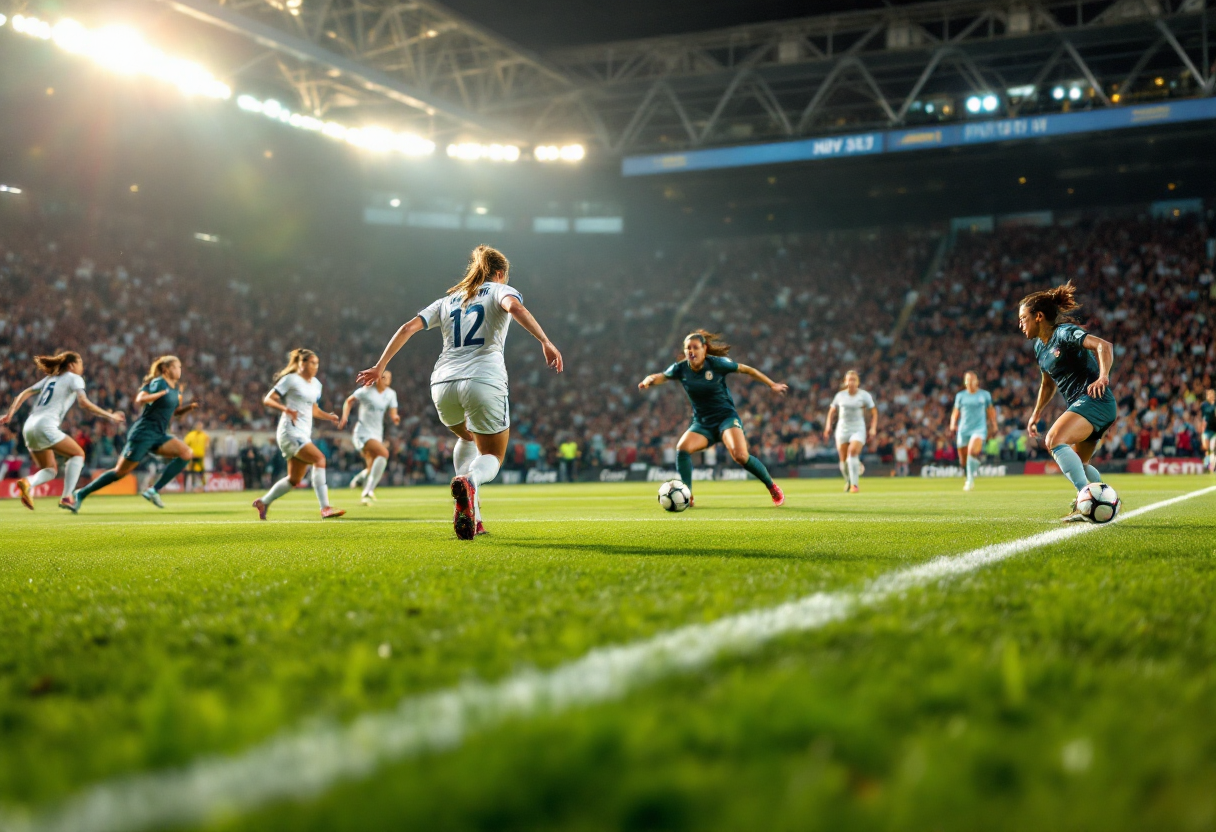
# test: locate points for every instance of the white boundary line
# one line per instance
(303, 764)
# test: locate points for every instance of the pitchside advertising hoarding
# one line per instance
(923, 138)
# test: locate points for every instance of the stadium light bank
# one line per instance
(122, 50)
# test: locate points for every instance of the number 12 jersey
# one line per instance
(473, 335)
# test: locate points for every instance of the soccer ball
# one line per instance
(674, 496)
(1098, 503)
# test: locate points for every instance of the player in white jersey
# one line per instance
(469, 383)
(849, 407)
(61, 388)
(374, 402)
(295, 395)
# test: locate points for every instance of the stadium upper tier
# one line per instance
(804, 311)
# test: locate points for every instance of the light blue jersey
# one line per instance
(972, 415)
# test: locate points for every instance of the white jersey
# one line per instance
(55, 397)
(373, 405)
(298, 395)
(850, 410)
(473, 335)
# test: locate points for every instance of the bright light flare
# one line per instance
(472, 151)
(553, 153)
(122, 50)
(375, 139)
(9, 189)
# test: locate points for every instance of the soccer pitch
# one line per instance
(808, 667)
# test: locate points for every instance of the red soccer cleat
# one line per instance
(465, 519)
(27, 498)
(261, 507)
(330, 511)
(855, 489)
(480, 530)
(777, 494)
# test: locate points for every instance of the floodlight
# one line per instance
(1058, 93)
(973, 104)
(1074, 94)
(990, 103)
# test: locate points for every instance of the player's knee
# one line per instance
(1052, 438)
(187, 454)
(382, 453)
(740, 456)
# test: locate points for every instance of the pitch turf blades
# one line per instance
(1068, 685)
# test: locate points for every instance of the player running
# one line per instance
(850, 406)
(469, 382)
(973, 417)
(703, 373)
(1066, 357)
(150, 434)
(295, 395)
(368, 435)
(1207, 419)
(59, 389)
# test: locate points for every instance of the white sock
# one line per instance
(462, 456)
(854, 470)
(844, 472)
(71, 474)
(319, 487)
(43, 475)
(277, 490)
(359, 479)
(483, 469)
(378, 466)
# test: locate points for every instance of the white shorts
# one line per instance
(41, 434)
(848, 437)
(291, 441)
(483, 405)
(362, 436)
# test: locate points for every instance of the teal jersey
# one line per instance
(1072, 367)
(1207, 412)
(706, 388)
(972, 410)
(157, 415)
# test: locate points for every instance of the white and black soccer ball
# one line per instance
(674, 496)
(1098, 503)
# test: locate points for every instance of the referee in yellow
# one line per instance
(197, 441)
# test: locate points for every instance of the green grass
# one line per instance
(1072, 687)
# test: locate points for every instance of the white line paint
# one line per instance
(303, 764)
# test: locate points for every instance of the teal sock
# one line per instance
(973, 467)
(756, 468)
(684, 466)
(1091, 474)
(99, 483)
(170, 473)
(1071, 465)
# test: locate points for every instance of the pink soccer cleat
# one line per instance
(465, 519)
(480, 530)
(777, 494)
(261, 507)
(330, 511)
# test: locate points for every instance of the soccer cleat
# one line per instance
(68, 504)
(854, 489)
(465, 519)
(27, 498)
(968, 485)
(153, 497)
(367, 501)
(261, 507)
(1074, 515)
(330, 511)
(777, 494)
(480, 530)
(692, 501)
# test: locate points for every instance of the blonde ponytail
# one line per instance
(484, 263)
(295, 360)
(159, 366)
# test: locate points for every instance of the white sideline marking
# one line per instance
(303, 764)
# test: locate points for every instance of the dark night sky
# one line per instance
(548, 24)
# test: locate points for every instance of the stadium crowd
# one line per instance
(804, 309)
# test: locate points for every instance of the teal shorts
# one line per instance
(714, 433)
(965, 436)
(140, 443)
(1100, 413)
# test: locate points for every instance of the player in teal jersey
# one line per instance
(150, 433)
(1207, 420)
(1066, 355)
(703, 373)
(973, 417)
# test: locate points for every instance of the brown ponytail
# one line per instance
(53, 365)
(295, 360)
(711, 340)
(1055, 304)
(159, 366)
(484, 263)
